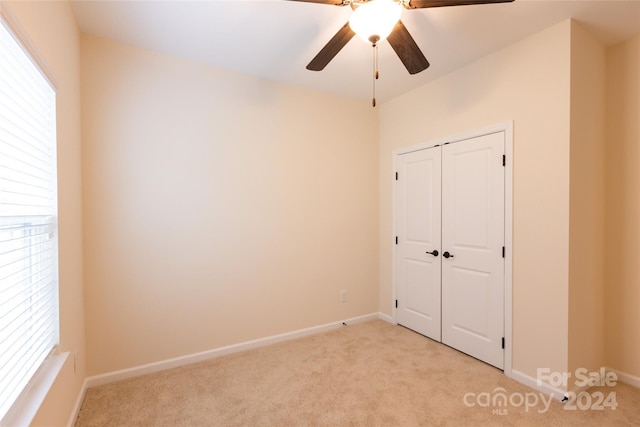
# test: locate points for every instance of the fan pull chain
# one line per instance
(376, 74)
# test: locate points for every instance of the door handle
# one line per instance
(434, 252)
(447, 255)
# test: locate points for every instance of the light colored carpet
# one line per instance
(368, 374)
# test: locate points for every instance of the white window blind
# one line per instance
(28, 218)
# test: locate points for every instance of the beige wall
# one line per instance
(587, 202)
(528, 83)
(52, 30)
(623, 208)
(219, 207)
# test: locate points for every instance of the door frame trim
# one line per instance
(507, 128)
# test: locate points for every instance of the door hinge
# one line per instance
(396, 303)
(396, 176)
(503, 252)
(504, 160)
(503, 342)
(396, 240)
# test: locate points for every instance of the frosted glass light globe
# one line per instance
(374, 20)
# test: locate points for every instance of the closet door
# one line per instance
(472, 246)
(417, 261)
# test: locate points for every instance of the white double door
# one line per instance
(449, 267)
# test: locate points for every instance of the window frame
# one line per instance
(25, 407)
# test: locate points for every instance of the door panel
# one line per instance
(417, 213)
(473, 233)
(471, 294)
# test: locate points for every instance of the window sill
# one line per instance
(25, 408)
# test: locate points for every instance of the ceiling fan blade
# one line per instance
(332, 2)
(421, 4)
(331, 49)
(407, 49)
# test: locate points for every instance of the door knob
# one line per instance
(447, 255)
(434, 252)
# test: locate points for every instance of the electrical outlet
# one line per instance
(343, 296)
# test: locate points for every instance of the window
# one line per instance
(28, 221)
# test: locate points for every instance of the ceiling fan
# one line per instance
(375, 20)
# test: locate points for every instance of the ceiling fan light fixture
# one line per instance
(374, 20)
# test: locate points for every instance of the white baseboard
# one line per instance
(626, 378)
(217, 352)
(594, 376)
(76, 408)
(386, 318)
(522, 378)
(558, 393)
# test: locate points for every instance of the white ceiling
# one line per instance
(275, 39)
